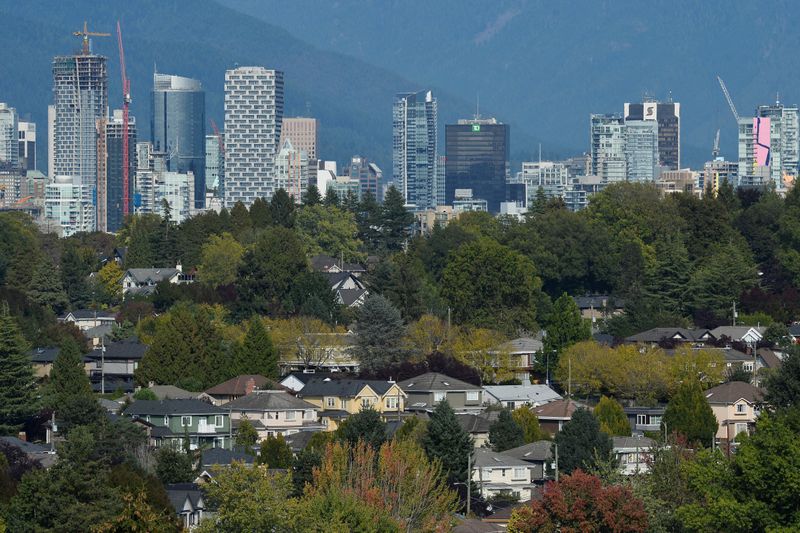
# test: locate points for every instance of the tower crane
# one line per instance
(126, 100)
(85, 34)
(728, 98)
(220, 140)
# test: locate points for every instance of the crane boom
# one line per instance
(85, 34)
(728, 98)
(220, 140)
(126, 100)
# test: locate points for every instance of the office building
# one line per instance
(65, 205)
(784, 143)
(369, 175)
(154, 184)
(607, 133)
(679, 181)
(110, 190)
(304, 134)
(465, 200)
(326, 173)
(51, 140)
(755, 153)
(9, 133)
(253, 121)
(641, 150)
(477, 158)
(27, 145)
(716, 173)
(178, 127)
(11, 179)
(344, 186)
(80, 91)
(414, 148)
(291, 171)
(667, 116)
(551, 177)
(215, 164)
(577, 195)
(441, 181)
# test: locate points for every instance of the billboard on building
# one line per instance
(761, 144)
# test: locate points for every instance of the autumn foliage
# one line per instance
(579, 503)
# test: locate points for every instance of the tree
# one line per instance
(221, 257)
(138, 515)
(69, 392)
(312, 196)
(565, 326)
(331, 198)
(505, 433)
(783, 385)
(256, 354)
(688, 414)
(579, 502)
(447, 441)
(145, 394)
(326, 229)
(396, 220)
(404, 285)
(529, 422)
(246, 435)
(721, 278)
(240, 219)
(366, 426)
(581, 443)
(275, 453)
(303, 466)
(173, 466)
(282, 209)
(260, 213)
(46, 288)
(110, 280)
(613, 421)
(379, 332)
(74, 273)
(17, 382)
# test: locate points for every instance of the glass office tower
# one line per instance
(414, 145)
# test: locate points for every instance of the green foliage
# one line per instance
(173, 466)
(400, 280)
(282, 209)
(720, 278)
(783, 385)
(447, 441)
(221, 256)
(379, 331)
(17, 386)
(565, 326)
(76, 265)
(529, 422)
(581, 443)
(246, 435)
(396, 221)
(311, 197)
(613, 421)
(505, 433)
(46, 288)
(326, 229)
(256, 354)
(19, 249)
(69, 392)
(366, 426)
(145, 394)
(688, 414)
(303, 466)
(275, 453)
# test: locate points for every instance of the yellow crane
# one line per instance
(85, 34)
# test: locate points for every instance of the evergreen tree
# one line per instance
(17, 382)
(260, 214)
(303, 469)
(505, 433)
(74, 274)
(282, 208)
(256, 354)
(173, 466)
(350, 202)
(565, 326)
(396, 221)
(69, 392)
(379, 332)
(240, 219)
(275, 453)
(246, 436)
(312, 196)
(783, 385)
(613, 421)
(368, 220)
(529, 422)
(447, 441)
(404, 288)
(689, 414)
(46, 288)
(365, 426)
(581, 443)
(665, 286)
(331, 198)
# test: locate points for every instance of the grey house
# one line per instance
(427, 390)
(540, 455)
(206, 425)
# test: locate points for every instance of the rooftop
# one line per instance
(172, 407)
(342, 387)
(434, 381)
(733, 391)
(269, 400)
(628, 443)
(238, 386)
(541, 450)
(660, 334)
(534, 394)
(523, 345)
(486, 458)
(557, 410)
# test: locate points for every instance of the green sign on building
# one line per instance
(476, 127)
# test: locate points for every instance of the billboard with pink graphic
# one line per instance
(761, 145)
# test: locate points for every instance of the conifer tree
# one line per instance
(397, 220)
(312, 196)
(505, 433)
(689, 414)
(256, 354)
(46, 288)
(581, 443)
(379, 334)
(69, 392)
(275, 453)
(17, 383)
(365, 426)
(447, 441)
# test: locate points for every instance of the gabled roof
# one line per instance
(185, 497)
(735, 356)
(172, 407)
(557, 410)
(238, 386)
(768, 357)
(25, 446)
(351, 296)
(534, 394)
(151, 275)
(539, 451)
(171, 392)
(737, 333)
(305, 377)
(127, 350)
(733, 391)
(434, 381)
(523, 345)
(298, 441)
(476, 423)
(660, 334)
(486, 458)
(270, 400)
(222, 456)
(342, 387)
(86, 314)
(44, 355)
(625, 443)
(322, 263)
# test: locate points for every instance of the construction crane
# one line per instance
(715, 150)
(220, 140)
(85, 34)
(728, 98)
(126, 101)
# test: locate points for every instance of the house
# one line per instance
(522, 352)
(658, 336)
(744, 334)
(111, 366)
(223, 457)
(275, 413)
(295, 381)
(99, 334)
(328, 264)
(513, 396)
(42, 360)
(498, 474)
(319, 353)
(477, 425)
(204, 424)
(171, 392)
(553, 415)
(539, 454)
(644, 419)
(35, 452)
(237, 387)
(144, 280)
(735, 405)
(766, 361)
(337, 399)
(85, 319)
(187, 500)
(427, 390)
(632, 453)
(599, 306)
(350, 290)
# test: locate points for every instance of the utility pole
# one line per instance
(102, 364)
(469, 481)
(569, 378)
(556, 449)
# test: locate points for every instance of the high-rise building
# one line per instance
(717, 172)
(27, 145)
(110, 190)
(477, 158)
(607, 134)
(641, 150)
(178, 127)
(668, 117)
(253, 121)
(65, 205)
(303, 132)
(441, 181)
(51, 140)
(215, 164)
(154, 184)
(551, 177)
(755, 152)
(414, 148)
(784, 142)
(9, 128)
(369, 175)
(291, 170)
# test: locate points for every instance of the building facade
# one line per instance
(304, 134)
(607, 134)
(414, 148)
(178, 127)
(9, 134)
(641, 150)
(65, 205)
(215, 164)
(477, 158)
(369, 175)
(550, 176)
(784, 143)
(291, 170)
(110, 190)
(667, 117)
(253, 122)
(27, 145)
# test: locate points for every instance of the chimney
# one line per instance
(179, 267)
(249, 386)
(22, 436)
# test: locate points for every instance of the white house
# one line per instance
(274, 412)
(632, 453)
(745, 334)
(513, 396)
(86, 319)
(144, 280)
(497, 473)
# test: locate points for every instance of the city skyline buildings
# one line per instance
(9, 136)
(110, 190)
(415, 148)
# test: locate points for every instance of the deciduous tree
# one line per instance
(220, 259)
(613, 421)
(529, 422)
(275, 453)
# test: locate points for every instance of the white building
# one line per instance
(253, 121)
(499, 474)
(9, 144)
(550, 176)
(27, 145)
(66, 205)
(215, 163)
(153, 187)
(607, 134)
(291, 170)
(641, 150)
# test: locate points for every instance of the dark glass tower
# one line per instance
(668, 117)
(178, 128)
(476, 153)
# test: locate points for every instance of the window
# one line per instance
(147, 418)
(166, 420)
(438, 396)
(218, 421)
(472, 396)
(186, 421)
(366, 402)
(748, 366)
(655, 420)
(391, 402)
(503, 472)
(641, 420)
(308, 415)
(519, 472)
(330, 402)
(741, 408)
(740, 428)
(510, 405)
(290, 416)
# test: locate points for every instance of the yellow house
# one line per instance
(339, 398)
(735, 404)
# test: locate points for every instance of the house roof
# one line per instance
(298, 441)
(535, 394)
(486, 458)
(598, 301)
(96, 332)
(434, 381)
(322, 263)
(173, 407)
(44, 355)
(769, 358)
(794, 330)
(337, 278)
(222, 456)
(25, 446)
(523, 345)
(305, 377)
(660, 334)
(736, 333)
(171, 392)
(342, 387)
(109, 405)
(238, 386)
(622, 443)
(541, 450)
(185, 495)
(733, 391)
(476, 423)
(557, 410)
(127, 350)
(350, 296)
(154, 275)
(270, 400)
(85, 314)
